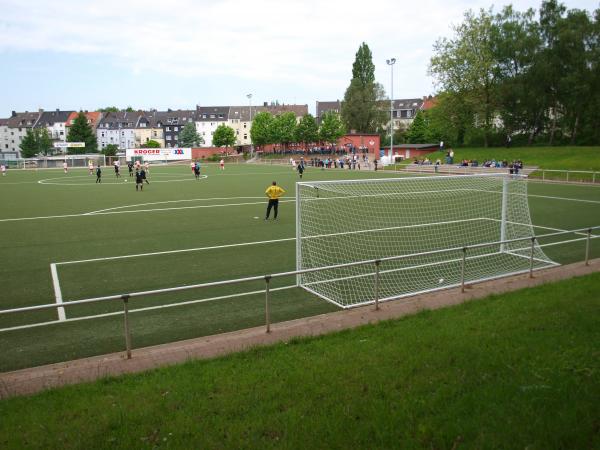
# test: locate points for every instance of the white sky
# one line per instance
(294, 51)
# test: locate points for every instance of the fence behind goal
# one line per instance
(340, 222)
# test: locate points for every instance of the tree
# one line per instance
(224, 136)
(261, 131)
(465, 66)
(110, 150)
(108, 109)
(189, 137)
(44, 142)
(363, 108)
(151, 144)
(417, 132)
(307, 130)
(283, 128)
(29, 144)
(81, 131)
(332, 128)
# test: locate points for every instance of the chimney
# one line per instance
(265, 104)
(41, 110)
(14, 114)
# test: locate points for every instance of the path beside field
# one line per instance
(29, 381)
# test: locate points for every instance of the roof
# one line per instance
(298, 110)
(26, 119)
(49, 118)
(429, 103)
(323, 107)
(120, 120)
(208, 113)
(178, 117)
(3, 122)
(93, 118)
(242, 112)
(408, 103)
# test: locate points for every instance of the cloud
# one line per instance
(310, 43)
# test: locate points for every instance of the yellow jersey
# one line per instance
(274, 192)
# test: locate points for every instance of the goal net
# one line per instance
(341, 222)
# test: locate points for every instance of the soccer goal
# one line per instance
(340, 222)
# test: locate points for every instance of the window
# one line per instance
(175, 128)
(245, 136)
(168, 128)
(204, 116)
(212, 116)
(244, 124)
(220, 116)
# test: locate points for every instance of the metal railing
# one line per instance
(569, 176)
(267, 278)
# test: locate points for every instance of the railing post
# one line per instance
(567, 176)
(543, 175)
(593, 177)
(462, 270)
(587, 247)
(127, 330)
(267, 298)
(531, 257)
(377, 263)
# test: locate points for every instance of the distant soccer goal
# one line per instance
(340, 222)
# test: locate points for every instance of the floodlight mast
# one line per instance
(391, 62)
(250, 129)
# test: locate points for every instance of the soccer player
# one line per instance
(197, 171)
(65, 166)
(273, 192)
(130, 167)
(139, 181)
(3, 170)
(117, 169)
(222, 164)
(91, 167)
(147, 166)
(193, 166)
(98, 174)
(143, 174)
(300, 170)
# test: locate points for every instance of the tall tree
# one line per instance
(332, 128)
(307, 130)
(465, 66)
(189, 137)
(363, 107)
(110, 150)
(224, 136)
(261, 131)
(283, 128)
(81, 131)
(29, 144)
(44, 142)
(417, 131)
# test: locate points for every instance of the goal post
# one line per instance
(340, 222)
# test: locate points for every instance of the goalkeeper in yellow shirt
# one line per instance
(273, 192)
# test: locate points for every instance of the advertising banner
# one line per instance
(158, 154)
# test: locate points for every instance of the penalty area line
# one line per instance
(57, 292)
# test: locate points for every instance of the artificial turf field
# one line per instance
(48, 217)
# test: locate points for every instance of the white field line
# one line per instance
(244, 244)
(170, 201)
(49, 181)
(95, 213)
(91, 214)
(540, 226)
(535, 259)
(149, 308)
(344, 233)
(57, 292)
(167, 252)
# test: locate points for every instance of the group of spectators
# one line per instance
(514, 166)
(322, 150)
(351, 162)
